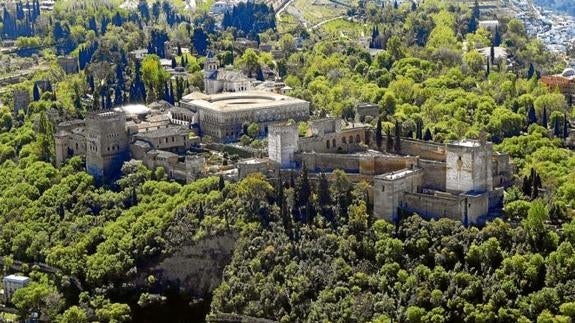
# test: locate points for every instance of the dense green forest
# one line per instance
(306, 250)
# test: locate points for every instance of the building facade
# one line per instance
(106, 143)
(217, 80)
(223, 116)
(69, 64)
(21, 100)
(12, 283)
(564, 83)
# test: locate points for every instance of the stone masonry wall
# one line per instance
(433, 206)
(423, 149)
(433, 174)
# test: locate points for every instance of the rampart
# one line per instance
(360, 163)
(423, 149)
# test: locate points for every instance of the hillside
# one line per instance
(567, 6)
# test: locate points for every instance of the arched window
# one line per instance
(327, 144)
(333, 143)
(351, 139)
(343, 140)
(357, 139)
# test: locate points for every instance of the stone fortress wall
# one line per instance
(360, 163)
(463, 180)
(462, 187)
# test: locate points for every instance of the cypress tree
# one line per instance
(36, 92)
(497, 36)
(565, 126)
(396, 142)
(389, 141)
(476, 12)
(492, 53)
(378, 134)
(418, 129)
(118, 95)
(303, 188)
(472, 25)
(324, 198)
(221, 183)
(544, 118)
(45, 138)
(531, 115)
(526, 187)
(172, 99)
(530, 71)
(201, 213)
(536, 186)
(428, 136)
(557, 130)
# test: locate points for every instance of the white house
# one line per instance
(13, 283)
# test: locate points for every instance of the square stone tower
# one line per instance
(389, 189)
(469, 166)
(283, 144)
(106, 143)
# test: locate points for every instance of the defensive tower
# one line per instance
(106, 143)
(283, 144)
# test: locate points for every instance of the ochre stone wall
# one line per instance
(444, 205)
(423, 149)
(361, 163)
(347, 140)
(433, 174)
(329, 162)
(389, 163)
(434, 206)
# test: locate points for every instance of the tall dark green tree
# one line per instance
(427, 136)
(388, 141)
(497, 37)
(531, 71)
(378, 133)
(45, 138)
(36, 92)
(200, 41)
(476, 12)
(397, 138)
(565, 126)
(531, 115)
(492, 54)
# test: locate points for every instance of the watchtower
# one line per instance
(283, 144)
(106, 143)
(211, 64)
(468, 164)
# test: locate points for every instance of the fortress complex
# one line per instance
(462, 180)
(222, 116)
(109, 138)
